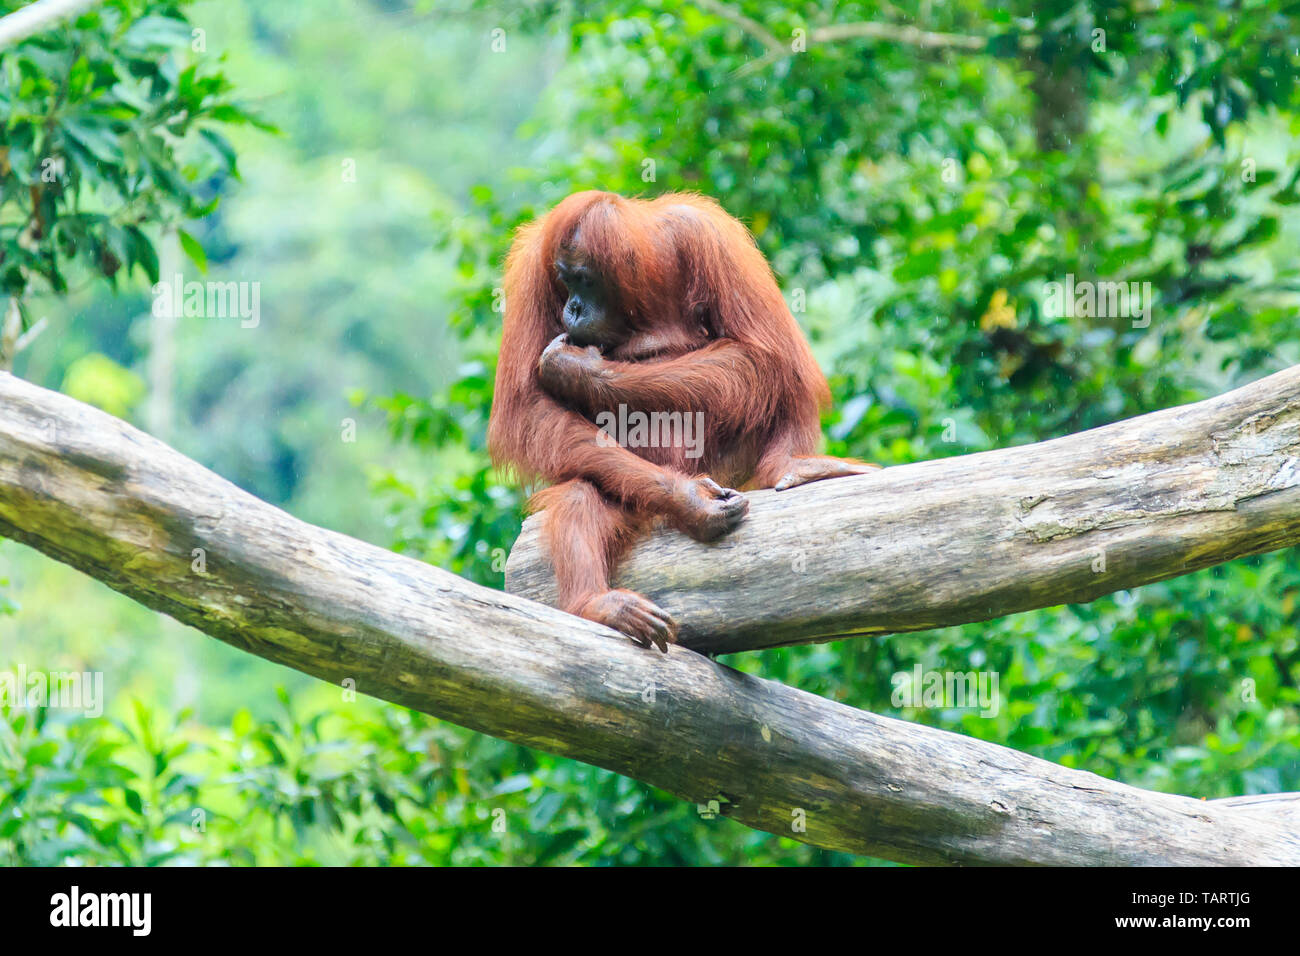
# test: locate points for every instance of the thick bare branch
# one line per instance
(95, 493)
(38, 16)
(973, 538)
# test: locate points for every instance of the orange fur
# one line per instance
(711, 334)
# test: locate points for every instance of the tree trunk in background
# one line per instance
(1060, 88)
(159, 413)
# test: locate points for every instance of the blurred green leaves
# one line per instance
(98, 380)
(362, 785)
(904, 192)
(110, 129)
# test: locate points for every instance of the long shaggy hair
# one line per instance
(675, 260)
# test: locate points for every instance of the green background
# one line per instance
(366, 162)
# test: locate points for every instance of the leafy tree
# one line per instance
(916, 173)
(112, 128)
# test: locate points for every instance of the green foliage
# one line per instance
(467, 525)
(97, 379)
(364, 784)
(915, 216)
(921, 229)
(913, 200)
(112, 127)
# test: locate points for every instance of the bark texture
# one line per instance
(981, 536)
(96, 493)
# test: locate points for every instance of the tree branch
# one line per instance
(748, 24)
(896, 33)
(96, 493)
(981, 536)
(38, 16)
(900, 33)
